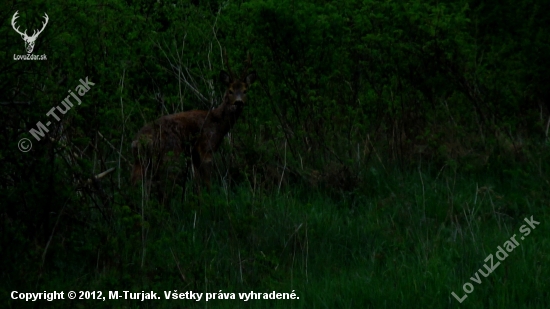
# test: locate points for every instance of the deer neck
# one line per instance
(226, 115)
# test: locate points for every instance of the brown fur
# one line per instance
(196, 133)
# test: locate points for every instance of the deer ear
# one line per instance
(251, 78)
(225, 78)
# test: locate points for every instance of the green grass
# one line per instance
(402, 240)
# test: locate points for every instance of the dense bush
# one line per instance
(346, 89)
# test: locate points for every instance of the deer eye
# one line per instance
(244, 91)
(230, 91)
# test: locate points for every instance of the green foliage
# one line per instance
(387, 147)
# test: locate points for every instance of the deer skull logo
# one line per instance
(29, 40)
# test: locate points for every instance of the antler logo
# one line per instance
(29, 40)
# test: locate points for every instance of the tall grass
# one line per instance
(404, 239)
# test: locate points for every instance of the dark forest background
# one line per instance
(387, 148)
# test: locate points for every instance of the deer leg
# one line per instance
(205, 168)
(205, 172)
(197, 162)
(159, 174)
(184, 177)
(156, 179)
(172, 167)
(136, 173)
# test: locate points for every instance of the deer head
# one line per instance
(29, 40)
(235, 94)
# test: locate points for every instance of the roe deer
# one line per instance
(196, 133)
